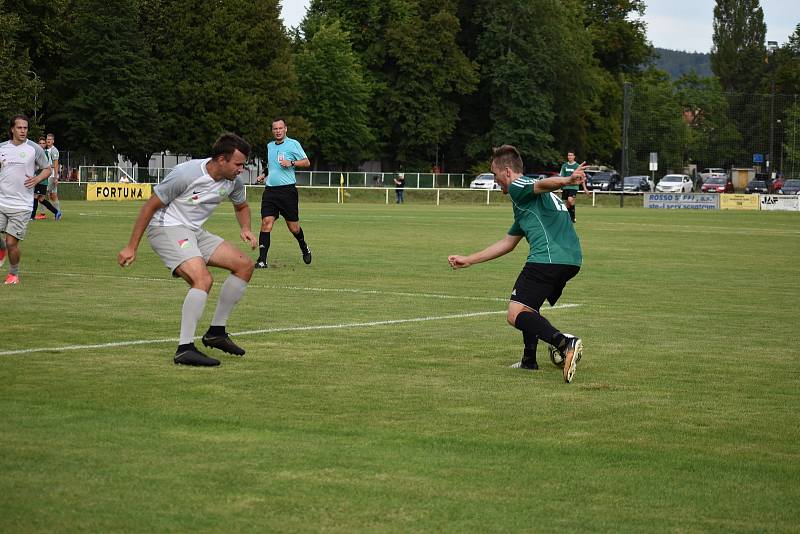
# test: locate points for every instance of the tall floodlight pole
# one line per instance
(35, 95)
(771, 47)
(626, 119)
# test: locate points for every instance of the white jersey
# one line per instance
(17, 162)
(53, 153)
(190, 195)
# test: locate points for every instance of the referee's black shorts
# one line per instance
(280, 200)
(542, 281)
(40, 189)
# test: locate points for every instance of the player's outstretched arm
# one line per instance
(128, 254)
(495, 250)
(557, 182)
(242, 212)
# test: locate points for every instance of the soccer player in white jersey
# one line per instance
(20, 159)
(173, 218)
(52, 185)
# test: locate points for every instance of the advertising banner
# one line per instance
(118, 191)
(780, 202)
(738, 202)
(692, 201)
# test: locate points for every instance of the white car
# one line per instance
(484, 181)
(675, 183)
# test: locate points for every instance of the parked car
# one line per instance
(790, 187)
(757, 186)
(675, 183)
(632, 184)
(712, 172)
(484, 181)
(715, 184)
(605, 181)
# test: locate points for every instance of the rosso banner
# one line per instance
(115, 191)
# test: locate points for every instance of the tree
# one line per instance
(620, 46)
(738, 53)
(103, 103)
(334, 95)
(20, 87)
(712, 137)
(657, 124)
(415, 68)
(215, 73)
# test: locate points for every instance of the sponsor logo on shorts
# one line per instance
(184, 243)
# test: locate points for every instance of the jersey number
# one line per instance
(558, 203)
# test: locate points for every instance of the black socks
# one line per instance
(301, 240)
(263, 245)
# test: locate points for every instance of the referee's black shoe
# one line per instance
(192, 356)
(307, 256)
(223, 343)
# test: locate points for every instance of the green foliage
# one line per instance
(711, 134)
(102, 94)
(334, 96)
(659, 124)
(678, 63)
(738, 53)
(216, 73)
(20, 89)
(416, 70)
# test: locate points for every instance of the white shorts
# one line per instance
(176, 244)
(14, 222)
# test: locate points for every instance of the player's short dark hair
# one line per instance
(13, 121)
(42, 138)
(507, 156)
(227, 144)
(279, 118)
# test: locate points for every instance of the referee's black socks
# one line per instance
(263, 246)
(301, 240)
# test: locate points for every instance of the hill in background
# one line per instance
(678, 63)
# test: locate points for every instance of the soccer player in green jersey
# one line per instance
(555, 256)
(568, 192)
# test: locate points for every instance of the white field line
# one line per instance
(268, 331)
(167, 278)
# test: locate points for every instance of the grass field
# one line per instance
(376, 395)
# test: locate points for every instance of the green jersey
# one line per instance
(566, 170)
(544, 221)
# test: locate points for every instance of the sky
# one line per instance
(675, 24)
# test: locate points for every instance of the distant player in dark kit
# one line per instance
(284, 155)
(568, 192)
(173, 218)
(555, 257)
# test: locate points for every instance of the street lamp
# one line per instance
(772, 46)
(35, 95)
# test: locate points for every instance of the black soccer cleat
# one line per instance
(529, 366)
(223, 343)
(262, 265)
(307, 256)
(194, 357)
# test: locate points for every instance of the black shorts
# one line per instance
(281, 200)
(566, 193)
(40, 189)
(542, 281)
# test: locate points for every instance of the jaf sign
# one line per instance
(779, 202)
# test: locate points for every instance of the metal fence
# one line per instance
(122, 173)
(689, 132)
